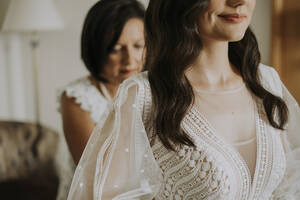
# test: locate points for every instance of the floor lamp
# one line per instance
(32, 17)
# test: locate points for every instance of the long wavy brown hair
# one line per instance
(172, 45)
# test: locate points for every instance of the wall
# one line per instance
(261, 25)
(59, 55)
(3, 9)
(4, 110)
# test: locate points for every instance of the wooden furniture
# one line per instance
(285, 49)
(27, 161)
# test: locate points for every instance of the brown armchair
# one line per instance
(27, 161)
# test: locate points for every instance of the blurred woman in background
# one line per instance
(112, 45)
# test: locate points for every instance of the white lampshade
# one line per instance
(32, 16)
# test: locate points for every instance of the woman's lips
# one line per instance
(128, 71)
(233, 18)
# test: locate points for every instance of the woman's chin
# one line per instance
(235, 37)
(231, 33)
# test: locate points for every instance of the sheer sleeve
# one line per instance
(289, 188)
(118, 162)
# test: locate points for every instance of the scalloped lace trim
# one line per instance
(86, 95)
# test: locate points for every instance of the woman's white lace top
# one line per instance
(124, 159)
(87, 96)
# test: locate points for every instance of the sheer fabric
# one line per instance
(289, 188)
(231, 114)
(120, 163)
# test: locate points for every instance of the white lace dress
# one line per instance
(90, 100)
(125, 160)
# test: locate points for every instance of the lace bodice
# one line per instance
(87, 96)
(213, 169)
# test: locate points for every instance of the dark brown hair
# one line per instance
(102, 28)
(172, 45)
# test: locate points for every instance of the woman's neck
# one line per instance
(212, 69)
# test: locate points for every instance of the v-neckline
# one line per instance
(216, 134)
(251, 187)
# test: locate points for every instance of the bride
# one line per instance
(207, 121)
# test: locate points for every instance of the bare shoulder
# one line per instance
(69, 104)
(72, 112)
